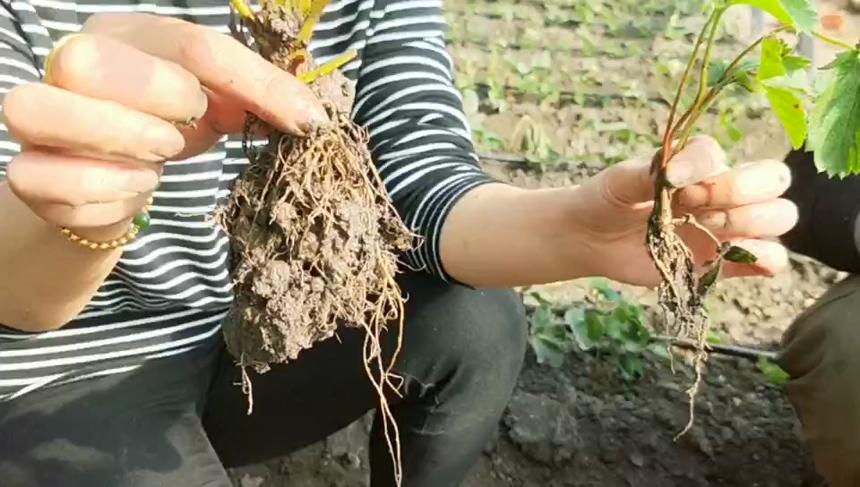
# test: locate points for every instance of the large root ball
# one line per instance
(315, 245)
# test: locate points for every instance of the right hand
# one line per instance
(95, 133)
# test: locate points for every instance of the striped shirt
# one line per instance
(171, 289)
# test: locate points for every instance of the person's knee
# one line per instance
(820, 353)
(478, 335)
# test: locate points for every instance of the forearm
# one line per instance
(501, 236)
(45, 280)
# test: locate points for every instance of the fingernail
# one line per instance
(49, 59)
(163, 140)
(203, 105)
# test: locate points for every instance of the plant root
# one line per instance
(314, 237)
(680, 294)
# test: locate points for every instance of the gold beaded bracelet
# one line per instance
(140, 222)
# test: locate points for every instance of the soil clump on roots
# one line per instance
(314, 237)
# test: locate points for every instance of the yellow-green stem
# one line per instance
(311, 18)
(834, 42)
(328, 67)
(706, 60)
(670, 124)
(243, 9)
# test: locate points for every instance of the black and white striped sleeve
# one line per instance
(419, 136)
(17, 66)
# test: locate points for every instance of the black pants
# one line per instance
(178, 421)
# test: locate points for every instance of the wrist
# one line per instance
(103, 232)
(583, 249)
(113, 236)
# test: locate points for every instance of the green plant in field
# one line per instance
(612, 327)
(831, 129)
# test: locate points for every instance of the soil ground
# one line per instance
(579, 80)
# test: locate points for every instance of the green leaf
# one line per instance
(713, 338)
(708, 279)
(772, 54)
(739, 255)
(834, 133)
(772, 7)
(595, 325)
(796, 63)
(788, 108)
(630, 366)
(803, 13)
(578, 325)
(541, 319)
(793, 13)
(606, 290)
(614, 328)
(660, 350)
(772, 372)
(547, 352)
(741, 73)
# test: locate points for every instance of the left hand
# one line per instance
(741, 205)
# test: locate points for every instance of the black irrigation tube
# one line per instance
(560, 165)
(569, 95)
(482, 45)
(562, 23)
(579, 53)
(730, 350)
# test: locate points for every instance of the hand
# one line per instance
(94, 135)
(740, 205)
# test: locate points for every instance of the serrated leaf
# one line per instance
(796, 63)
(791, 113)
(772, 54)
(739, 255)
(773, 372)
(772, 7)
(803, 13)
(796, 81)
(777, 80)
(834, 133)
(793, 13)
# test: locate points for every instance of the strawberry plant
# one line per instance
(831, 129)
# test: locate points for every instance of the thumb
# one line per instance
(701, 159)
(631, 182)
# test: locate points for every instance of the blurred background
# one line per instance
(556, 90)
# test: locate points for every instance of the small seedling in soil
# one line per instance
(611, 326)
(832, 132)
(315, 239)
